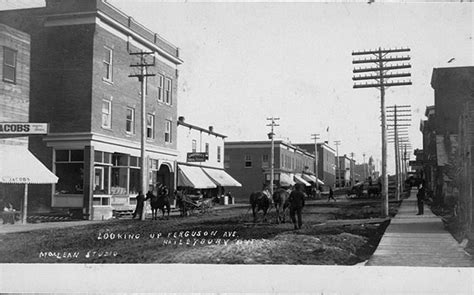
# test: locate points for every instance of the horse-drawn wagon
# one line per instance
(190, 204)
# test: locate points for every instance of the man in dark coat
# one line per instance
(139, 208)
(296, 201)
(420, 198)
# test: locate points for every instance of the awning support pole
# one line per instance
(25, 205)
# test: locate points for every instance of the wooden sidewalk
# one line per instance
(418, 240)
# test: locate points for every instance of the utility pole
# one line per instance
(398, 116)
(316, 137)
(142, 76)
(381, 77)
(352, 169)
(338, 176)
(271, 135)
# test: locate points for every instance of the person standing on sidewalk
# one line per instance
(140, 203)
(420, 196)
(296, 201)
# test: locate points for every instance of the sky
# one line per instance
(245, 62)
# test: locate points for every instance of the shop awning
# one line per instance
(312, 178)
(299, 179)
(221, 178)
(286, 179)
(18, 165)
(191, 176)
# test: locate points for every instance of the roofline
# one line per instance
(269, 142)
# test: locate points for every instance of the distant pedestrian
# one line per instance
(8, 214)
(331, 195)
(140, 203)
(421, 198)
(296, 201)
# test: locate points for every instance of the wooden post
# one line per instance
(25, 206)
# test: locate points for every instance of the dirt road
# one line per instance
(221, 236)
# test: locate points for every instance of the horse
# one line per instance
(281, 202)
(260, 201)
(159, 201)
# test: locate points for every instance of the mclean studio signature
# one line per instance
(178, 238)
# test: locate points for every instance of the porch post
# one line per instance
(25, 205)
(88, 181)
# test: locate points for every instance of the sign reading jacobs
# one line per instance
(197, 157)
(23, 128)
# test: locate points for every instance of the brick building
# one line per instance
(249, 163)
(326, 161)
(201, 160)
(80, 62)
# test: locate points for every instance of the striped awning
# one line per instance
(192, 176)
(221, 178)
(19, 166)
(299, 179)
(312, 178)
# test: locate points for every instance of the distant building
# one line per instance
(249, 163)
(80, 85)
(343, 174)
(201, 160)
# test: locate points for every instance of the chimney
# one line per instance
(181, 119)
(211, 128)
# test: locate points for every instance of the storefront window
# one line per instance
(119, 181)
(134, 186)
(71, 178)
(101, 180)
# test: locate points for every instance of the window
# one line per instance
(130, 121)
(70, 171)
(168, 131)
(207, 149)
(168, 91)
(106, 114)
(218, 154)
(9, 65)
(194, 145)
(265, 161)
(226, 161)
(98, 178)
(150, 126)
(108, 53)
(248, 161)
(161, 84)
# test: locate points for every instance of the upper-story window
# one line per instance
(207, 149)
(106, 114)
(248, 161)
(108, 63)
(168, 131)
(150, 126)
(9, 65)
(194, 144)
(218, 154)
(168, 92)
(265, 160)
(130, 121)
(161, 85)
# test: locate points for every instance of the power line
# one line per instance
(382, 77)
